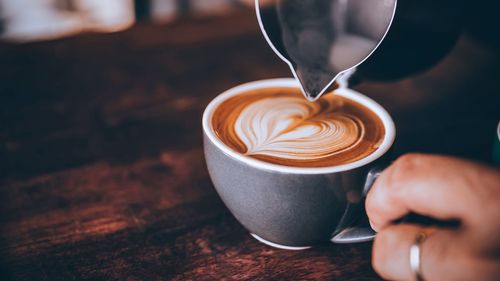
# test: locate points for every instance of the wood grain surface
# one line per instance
(102, 175)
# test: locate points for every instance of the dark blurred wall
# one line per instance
(483, 21)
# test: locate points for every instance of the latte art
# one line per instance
(292, 128)
(280, 126)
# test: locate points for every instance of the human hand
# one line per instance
(443, 188)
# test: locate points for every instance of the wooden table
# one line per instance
(102, 175)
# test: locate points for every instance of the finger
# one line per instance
(434, 186)
(391, 252)
(444, 255)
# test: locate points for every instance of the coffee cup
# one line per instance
(292, 207)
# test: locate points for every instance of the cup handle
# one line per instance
(360, 233)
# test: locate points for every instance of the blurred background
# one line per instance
(33, 20)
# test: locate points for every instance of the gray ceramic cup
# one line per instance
(292, 207)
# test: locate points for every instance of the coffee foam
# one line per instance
(278, 125)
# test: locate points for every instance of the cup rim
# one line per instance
(498, 130)
(390, 129)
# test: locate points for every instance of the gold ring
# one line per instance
(416, 256)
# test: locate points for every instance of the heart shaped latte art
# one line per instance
(292, 128)
(280, 126)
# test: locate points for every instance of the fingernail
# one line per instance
(372, 226)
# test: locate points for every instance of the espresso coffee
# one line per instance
(277, 125)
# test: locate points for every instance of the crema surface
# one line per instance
(278, 125)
